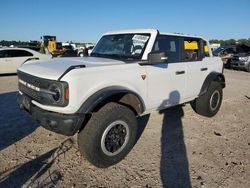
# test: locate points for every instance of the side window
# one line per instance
(3, 54)
(170, 45)
(192, 50)
(19, 53)
(205, 49)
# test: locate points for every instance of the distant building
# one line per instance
(214, 46)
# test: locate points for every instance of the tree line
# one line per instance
(13, 42)
(221, 42)
(32, 43)
(231, 42)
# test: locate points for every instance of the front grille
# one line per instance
(236, 58)
(34, 81)
(30, 92)
(234, 63)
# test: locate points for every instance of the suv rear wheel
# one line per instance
(209, 103)
(109, 135)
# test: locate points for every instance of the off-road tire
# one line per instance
(207, 105)
(91, 140)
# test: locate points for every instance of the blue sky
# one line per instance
(85, 21)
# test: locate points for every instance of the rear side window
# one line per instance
(19, 53)
(170, 45)
(193, 50)
(206, 49)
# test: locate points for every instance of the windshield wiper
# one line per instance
(95, 54)
(106, 55)
(115, 56)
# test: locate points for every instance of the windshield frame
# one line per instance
(122, 57)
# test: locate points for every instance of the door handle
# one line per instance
(204, 69)
(179, 72)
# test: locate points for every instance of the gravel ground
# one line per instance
(177, 148)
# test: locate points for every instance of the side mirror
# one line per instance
(157, 57)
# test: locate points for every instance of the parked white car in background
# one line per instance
(12, 58)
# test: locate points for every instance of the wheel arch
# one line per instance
(213, 76)
(117, 94)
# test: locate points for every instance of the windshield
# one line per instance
(121, 46)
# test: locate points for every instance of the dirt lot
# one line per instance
(177, 148)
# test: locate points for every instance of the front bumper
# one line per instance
(239, 64)
(60, 123)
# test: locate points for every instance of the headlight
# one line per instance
(55, 92)
(243, 58)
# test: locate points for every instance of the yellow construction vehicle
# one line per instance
(49, 45)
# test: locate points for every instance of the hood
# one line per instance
(241, 55)
(243, 48)
(54, 68)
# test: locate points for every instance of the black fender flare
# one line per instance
(107, 92)
(213, 76)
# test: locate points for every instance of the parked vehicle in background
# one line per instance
(69, 44)
(12, 58)
(226, 53)
(68, 51)
(85, 51)
(241, 59)
(129, 74)
(90, 49)
(224, 50)
(236, 56)
(214, 46)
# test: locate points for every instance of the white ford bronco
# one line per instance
(129, 74)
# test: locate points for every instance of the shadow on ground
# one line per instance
(14, 124)
(37, 172)
(174, 167)
(247, 97)
(142, 123)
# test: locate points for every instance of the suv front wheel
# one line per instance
(209, 104)
(109, 135)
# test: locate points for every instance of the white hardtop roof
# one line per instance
(181, 35)
(132, 31)
(149, 31)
